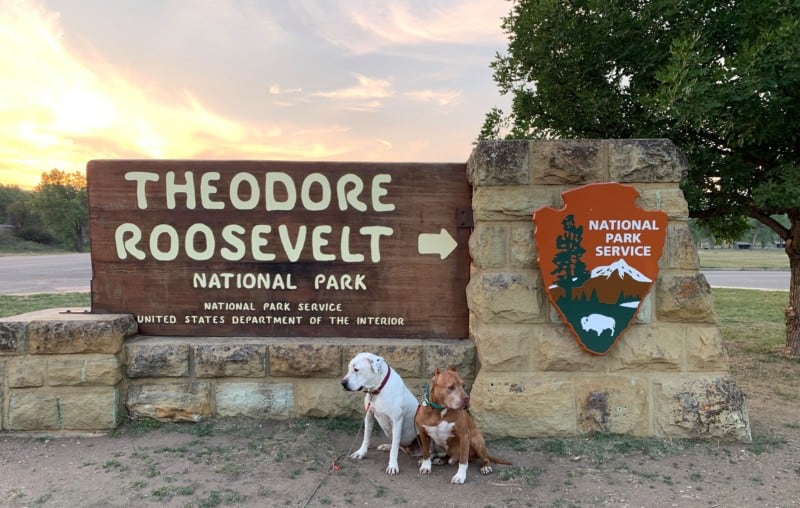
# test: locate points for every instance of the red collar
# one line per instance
(383, 383)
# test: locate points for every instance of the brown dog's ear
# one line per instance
(454, 368)
(436, 372)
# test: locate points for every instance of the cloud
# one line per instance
(442, 98)
(366, 94)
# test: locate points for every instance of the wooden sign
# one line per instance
(598, 257)
(270, 248)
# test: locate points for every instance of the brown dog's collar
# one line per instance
(383, 383)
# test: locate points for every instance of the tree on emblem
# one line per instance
(569, 268)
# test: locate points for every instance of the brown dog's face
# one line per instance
(447, 389)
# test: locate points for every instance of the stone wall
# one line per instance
(668, 374)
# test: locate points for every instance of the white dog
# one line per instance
(388, 400)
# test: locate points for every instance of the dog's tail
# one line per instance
(498, 460)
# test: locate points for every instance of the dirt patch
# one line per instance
(304, 463)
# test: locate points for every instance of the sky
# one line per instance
(327, 80)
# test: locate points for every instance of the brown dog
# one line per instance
(445, 420)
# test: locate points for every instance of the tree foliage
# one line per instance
(62, 202)
(721, 78)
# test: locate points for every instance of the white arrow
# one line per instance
(436, 243)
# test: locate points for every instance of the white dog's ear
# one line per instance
(376, 363)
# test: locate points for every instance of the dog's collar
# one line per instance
(426, 400)
(383, 383)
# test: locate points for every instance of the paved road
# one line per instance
(73, 272)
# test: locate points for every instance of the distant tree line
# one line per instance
(55, 212)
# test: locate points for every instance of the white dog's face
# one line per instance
(364, 372)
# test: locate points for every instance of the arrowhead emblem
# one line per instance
(440, 243)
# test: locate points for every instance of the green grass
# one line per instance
(10, 244)
(735, 259)
(11, 305)
(752, 318)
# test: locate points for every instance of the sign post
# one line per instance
(270, 248)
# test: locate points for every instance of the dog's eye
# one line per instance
(355, 370)
(451, 387)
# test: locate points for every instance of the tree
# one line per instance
(569, 267)
(721, 78)
(62, 201)
(9, 194)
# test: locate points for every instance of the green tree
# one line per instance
(569, 267)
(9, 194)
(721, 78)
(61, 200)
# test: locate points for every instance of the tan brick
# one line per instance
(305, 360)
(157, 359)
(649, 348)
(679, 250)
(24, 371)
(448, 353)
(230, 360)
(93, 408)
(505, 297)
(645, 160)
(78, 333)
(684, 297)
(488, 245)
(174, 402)
(510, 204)
(33, 409)
(522, 250)
(406, 356)
(569, 161)
(499, 163)
(705, 350)
(504, 347)
(612, 404)
(556, 349)
(326, 399)
(255, 400)
(83, 370)
(668, 199)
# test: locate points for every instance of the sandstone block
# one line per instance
(679, 250)
(33, 409)
(79, 333)
(645, 160)
(700, 407)
(488, 245)
(83, 370)
(230, 360)
(568, 161)
(179, 402)
(523, 405)
(24, 371)
(255, 400)
(504, 347)
(499, 163)
(12, 337)
(684, 298)
(522, 251)
(305, 360)
(447, 353)
(649, 348)
(510, 204)
(505, 297)
(157, 359)
(407, 360)
(705, 350)
(556, 349)
(612, 404)
(93, 408)
(326, 399)
(669, 200)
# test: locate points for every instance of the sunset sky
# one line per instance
(242, 79)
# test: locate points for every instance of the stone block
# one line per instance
(612, 404)
(649, 348)
(157, 359)
(522, 250)
(178, 402)
(12, 337)
(556, 349)
(511, 204)
(684, 297)
(326, 399)
(405, 358)
(568, 161)
(505, 297)
(24, 371)
(33, 409)
(702, 407)
(230, 360)
(83, 370)
(669, 200)
(504, 348)
(93, 408)
(499, 163)
(305, 360)
(448, 353)
(78, 333)
(523, 405)
(679, 250)
(705, 350)
(645, 160)
(255, 400)
(488, 245)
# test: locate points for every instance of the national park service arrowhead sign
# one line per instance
(598, 257)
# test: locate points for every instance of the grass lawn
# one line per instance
(735, 259)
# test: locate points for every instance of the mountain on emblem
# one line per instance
(598, 257)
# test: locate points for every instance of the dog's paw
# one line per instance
(440, 461)
(425, 467)
(458, 479)
(486, 470)
(384, 448)
(358, 454)
(392, 469)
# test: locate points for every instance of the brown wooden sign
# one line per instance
(271, 248)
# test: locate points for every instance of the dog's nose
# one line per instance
(344, 382)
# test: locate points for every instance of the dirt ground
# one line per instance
(304, 463)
